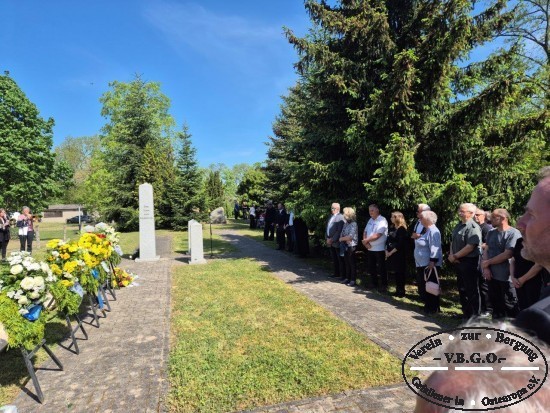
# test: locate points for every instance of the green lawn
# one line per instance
(243, 338)
(450, 304)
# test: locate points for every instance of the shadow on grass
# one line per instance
(316, 270)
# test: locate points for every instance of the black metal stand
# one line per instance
(74, 331)
(110, 281)
(27, 357)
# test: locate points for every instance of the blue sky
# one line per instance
(223, 64)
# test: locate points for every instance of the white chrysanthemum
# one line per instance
(10, 294)
(23, 300)
(16, 269)
(68, 275)
(39, 282)
(27, 283)
(44, 267)
(23, 311)
(55, 254)
(34, 267)
(34, 295)
(88, 228)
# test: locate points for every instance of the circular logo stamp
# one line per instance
(475, 368)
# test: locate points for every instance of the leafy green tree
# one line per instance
(253, 186)
(29, 174)
(77, 153)
(137, 114)
(186, 195)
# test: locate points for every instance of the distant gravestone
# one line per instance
(218, 216)
(196, 249)
(147, 242)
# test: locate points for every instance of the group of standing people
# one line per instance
(493, 278)
(24, 223)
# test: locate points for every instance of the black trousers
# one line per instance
(377, 268)
(338, 265)
(431, 302)
(290, 237)
(280, 237)
(504, 299)
(468, 286)
(4, 247)
(252, 221)
(486, 305)
(529, 293)
(269, 231)
(26, 240)
(349, 264)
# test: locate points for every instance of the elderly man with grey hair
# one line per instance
(501, 242)
(335, 224)
(418, 228)
(464, 255)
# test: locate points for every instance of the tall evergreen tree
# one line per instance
(157, 169)
(388, 110)
(186, 196)
(213, 190)
(137, 114)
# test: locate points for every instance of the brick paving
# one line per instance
(378, 317)
(122, 365)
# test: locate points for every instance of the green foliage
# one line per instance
(29, 174)
(157, 168)
(386, 111)
(253, 186)
(185, 190)
(138, 123)
(77, 154)
(213, 190)
(21, 332)
(66, 301)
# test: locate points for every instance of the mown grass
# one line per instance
(242, 338)
(450, 304)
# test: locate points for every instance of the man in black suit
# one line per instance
(270, 215)
(280, 222)
(334, 227)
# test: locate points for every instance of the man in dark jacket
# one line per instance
(270, 215)
(280, 223)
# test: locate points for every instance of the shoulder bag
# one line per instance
(432, 287)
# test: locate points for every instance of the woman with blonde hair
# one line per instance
(396, 245)
(349, 237)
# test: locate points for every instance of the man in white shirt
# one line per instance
(334, 227)
(374, 240)
(252, 216)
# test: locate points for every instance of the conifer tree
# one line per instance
(187, 202)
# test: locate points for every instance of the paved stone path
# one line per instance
(122, 365)
(393, 328)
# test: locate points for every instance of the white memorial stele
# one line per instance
(147, 241)
(196, 249)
